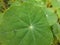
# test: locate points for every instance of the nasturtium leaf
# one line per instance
(56, 30)
(55, 3)
(25, 25)
(51, 16)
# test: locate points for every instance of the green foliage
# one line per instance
(51, 16)
(55, 3)
(29, 22)
(56, 30)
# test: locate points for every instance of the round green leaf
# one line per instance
(25, 25)
(51, 16)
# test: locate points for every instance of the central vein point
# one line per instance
(31, 27)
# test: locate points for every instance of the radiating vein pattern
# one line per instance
(25, 25)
